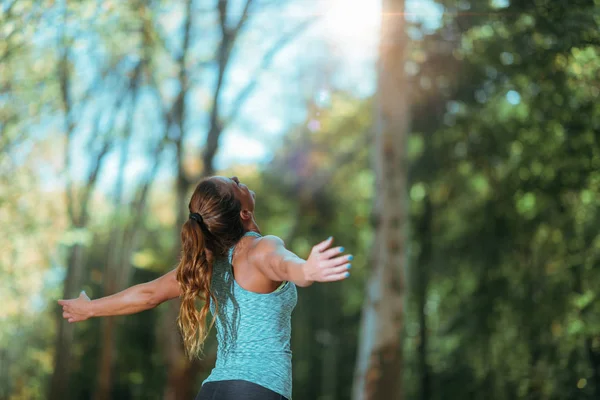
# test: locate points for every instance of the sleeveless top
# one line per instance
(253, 330)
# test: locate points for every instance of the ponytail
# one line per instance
(194, 273)
(214, 225)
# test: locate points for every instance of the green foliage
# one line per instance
(511, 174)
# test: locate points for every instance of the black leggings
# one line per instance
(236, 390)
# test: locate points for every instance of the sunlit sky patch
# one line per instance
(513, 97)
(500, 3)
(338, 51)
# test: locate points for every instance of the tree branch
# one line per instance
(178, 110)
(243, 18)
(93, 176)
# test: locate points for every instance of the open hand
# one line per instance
(76, 310)
(326, 264)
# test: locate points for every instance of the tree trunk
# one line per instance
(64, 338)
(118, 272)
(378, 373)
(117, 253)
(421, 283)
(182, 373)
(104, 382)
(588, 342)
(594, 358)
(329, 340)
(107, 345)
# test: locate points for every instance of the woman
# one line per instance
(249, 284)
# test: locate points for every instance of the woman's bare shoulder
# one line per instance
(263, 246)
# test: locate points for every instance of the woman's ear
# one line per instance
(246, 214)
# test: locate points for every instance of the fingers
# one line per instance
(67, 309)
(337, 270)
(333, 266)
(324, 244)
(69, 317)
(334, 262)
(336, 277)
(332, 252)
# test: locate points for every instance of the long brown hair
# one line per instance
(201, 242)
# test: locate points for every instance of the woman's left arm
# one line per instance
(132, 300)
(324, 264)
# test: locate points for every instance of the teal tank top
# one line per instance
(253, 331)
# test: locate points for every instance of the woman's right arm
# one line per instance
(132, 300)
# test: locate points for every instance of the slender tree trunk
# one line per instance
(104, 383)
(181, 372)
(378, 373)
(594, 357)
(111, 285)
(593, 354)
(228, 37)
(75, 267)
(421, 283)
(62, 359)
(113, 264)
(329, 340)
(115, 255)
(118, 273)
(62, 348)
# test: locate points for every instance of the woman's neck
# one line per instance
(251, 226)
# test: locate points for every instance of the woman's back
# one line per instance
(253, 330)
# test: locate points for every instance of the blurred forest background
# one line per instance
(464, 135)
